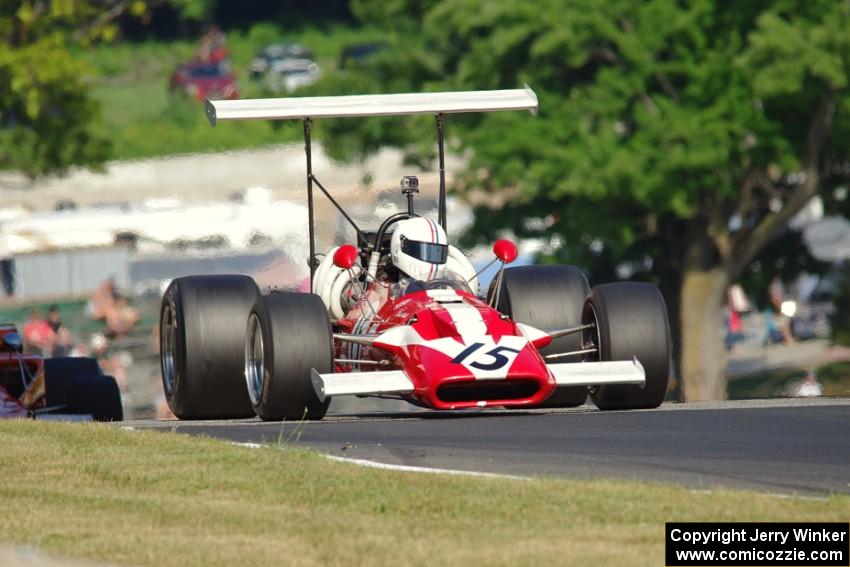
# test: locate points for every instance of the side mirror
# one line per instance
(13, 341)
(345, 256)
(505, 250)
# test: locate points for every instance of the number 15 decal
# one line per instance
(499, 360)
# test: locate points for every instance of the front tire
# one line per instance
(631, 321)
(288, 335)
(202, 333)
(548, 298)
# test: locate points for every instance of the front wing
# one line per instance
(361, 383)
(598, 373)
(397, 382)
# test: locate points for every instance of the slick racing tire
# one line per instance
(630, 321)
(71, 365)
(79, 385)
(97, 396)
(202, 337)
(548, 298)
(288, 335)
(59, 373)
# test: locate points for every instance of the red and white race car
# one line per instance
(399, 314)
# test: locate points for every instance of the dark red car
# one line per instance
(202, 80)
(53, 388)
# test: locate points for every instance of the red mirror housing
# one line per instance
(345, 256)
(505, 250)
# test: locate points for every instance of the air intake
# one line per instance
(478, 390)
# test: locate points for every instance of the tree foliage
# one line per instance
(46, 114)
(656, 108)
(680, 137)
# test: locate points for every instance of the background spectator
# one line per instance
(7, 267)
(54, 319)
(111, 365)
(108, 305)
(780, 321)
(38, 334)
(62, 336)
(737, 304)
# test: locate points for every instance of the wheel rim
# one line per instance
(254, 363)
(167, 345)
(590, 337)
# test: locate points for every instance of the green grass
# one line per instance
(98, 492)
(140, 116)
(833, 377)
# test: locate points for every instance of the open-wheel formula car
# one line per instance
(399, 314)
(66, 388)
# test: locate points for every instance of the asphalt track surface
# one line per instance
(780, 446)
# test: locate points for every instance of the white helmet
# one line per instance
(420, 248)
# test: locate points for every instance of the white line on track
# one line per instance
(430, 470)
(457, 472)
(796, 497)
(403, 468)
(709, 492)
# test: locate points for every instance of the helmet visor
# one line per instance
(426, 251)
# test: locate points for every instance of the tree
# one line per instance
(678, 138)
(46, 113)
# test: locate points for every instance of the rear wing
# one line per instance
(307, 108)
(301, 108)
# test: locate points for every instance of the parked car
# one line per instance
(203, 80)
(359, 53)
(288, 75)
(812, 316)
(276, 52)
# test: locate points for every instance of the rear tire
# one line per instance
(288, 335)
(202, 336)
(631, 321)
(79, 384)
(97, 396)
(60, 372)
(70, 365)
(548, 298)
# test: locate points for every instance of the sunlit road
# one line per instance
(785, 446)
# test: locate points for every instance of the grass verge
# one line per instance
(834, 378)
(143, 498)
